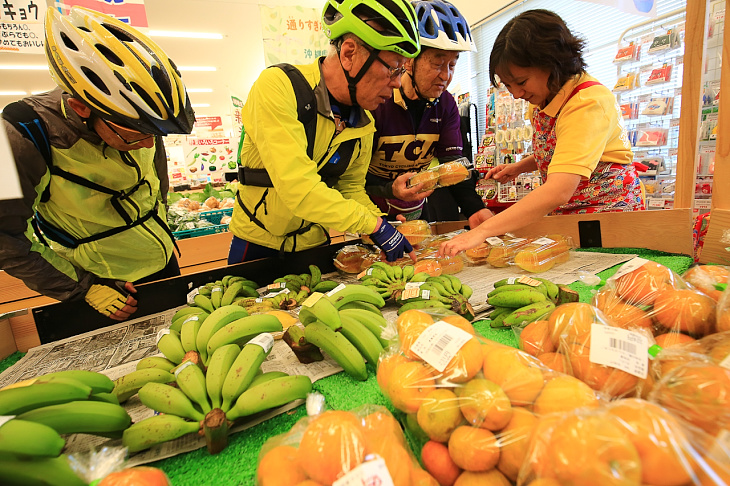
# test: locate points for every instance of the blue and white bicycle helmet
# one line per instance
(441, 26)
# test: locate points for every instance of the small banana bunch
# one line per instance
(44, 408)
(207, 402)
(388, 281)
(224, 292)
(442, 292)
(520, 300)
(346, 323)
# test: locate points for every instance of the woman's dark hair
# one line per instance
(538, 38)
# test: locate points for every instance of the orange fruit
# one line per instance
(410, 325)
(309, 482)
(537, 463)
(572, 321)
(484, 404)
(684, 310)
(419, 477)
(658, 438)
(439, 414)
(723, 320)
(642, 285)
(280, 467)
(410, 384)
(138, 476)
(713, 471)
(486, 478)
(720, 351)
(516, 372)
(563, 394)
(514, 440)
(331, 445)
(381, 426)
(606, 298)
(627, 316)
(670, 339)
(397, 460)
(386, 365)
(535, 339)
(555, 361)
(429, 265)
(704, 278)
(607, 379)
(437, 461)
(474, 448)
(699, 392)
(545, 482)
(465, 364)
(460, 322)
(593, 450)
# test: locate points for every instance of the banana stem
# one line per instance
(215, 428)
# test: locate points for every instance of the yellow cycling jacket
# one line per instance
(275, 140)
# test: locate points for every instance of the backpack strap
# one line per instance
(29, 124)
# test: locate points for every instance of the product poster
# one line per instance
(209, 158)
(292, 34)
(131, 12)
(21, 27)
(647, 8)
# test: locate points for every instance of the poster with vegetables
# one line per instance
(209, 158)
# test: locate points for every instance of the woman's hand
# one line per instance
(462, 242)
(404, 193)
(503, 173)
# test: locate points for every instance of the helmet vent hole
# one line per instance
(123, 81)
(68, 42)
(140, 91)
(121, 35)
(84, 28)
(374, 19)
(174, 67)
(95, 80)
(109, 55)
(164, 84)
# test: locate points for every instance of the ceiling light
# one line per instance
(199, 90)
(200, 105)
(27, 67)
(196, 68)
(189, 35)
(13, 93)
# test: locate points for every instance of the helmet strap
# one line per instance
(429, 101)
(353, 80)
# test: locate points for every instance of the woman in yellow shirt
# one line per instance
(580, 146)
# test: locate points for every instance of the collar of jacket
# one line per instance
(321, 94)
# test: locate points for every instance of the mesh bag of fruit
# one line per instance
(361, 446)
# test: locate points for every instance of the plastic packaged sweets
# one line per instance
(442, 175)
(629, 53)
(659, 106)
(662, 42)
(660, 75)
(627, 82)
(629, 111)
(651, 137)
(544, 253)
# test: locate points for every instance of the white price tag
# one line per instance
(629, 266)
(161, 333)
(655, 202)
(413, 285)
(518, 240)
(672, 152)
(312, 299)
(335, 290)
(544, 241)
(620, 348)
(674, 122)
(425, 294)
(410, 293)
(216, 289)
(192, 294)
(373, 472)
(191, 318)
(6, 418)
(277, 285)
(179, 369)
(494, 241)
(438, 344)
(265, 340)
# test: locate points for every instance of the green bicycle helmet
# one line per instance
(396, 18)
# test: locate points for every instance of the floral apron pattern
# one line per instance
(611, 187)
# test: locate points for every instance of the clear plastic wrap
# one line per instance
(442, 175)
(341, 447)
(544, 253)
(707, 279)
(723, 312)
(504, 250)
(349, 258)
(415, 231)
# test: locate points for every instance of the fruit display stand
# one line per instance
(236, 464)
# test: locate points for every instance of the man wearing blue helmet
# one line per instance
(420, 125)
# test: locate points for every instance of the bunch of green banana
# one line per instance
(232, 372)
(291, 290)
(38, 411)
(224, 292)
(520, 300)
(388, 281)
(442, 292)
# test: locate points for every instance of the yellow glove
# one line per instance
(107, 296)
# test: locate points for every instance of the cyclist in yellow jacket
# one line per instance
(93, 170)
(288, 199)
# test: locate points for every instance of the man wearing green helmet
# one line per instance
(290, 194)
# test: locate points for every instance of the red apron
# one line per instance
(611, 187)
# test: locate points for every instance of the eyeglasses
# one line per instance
(393, 72)
(111, 126)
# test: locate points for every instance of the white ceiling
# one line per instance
(238, 57)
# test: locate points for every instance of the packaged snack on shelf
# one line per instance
(626, 442)
(708, 279)
(442, 175)
(629, 111)
(628, 53)
(653, 166)
(659, 106)
(660, 75)
(341, 447)
(504, 250)
(349, 258)
(627, 82)
(544, 253)
(661, 42)
(415, 231)
(487, 188)
(651, 137)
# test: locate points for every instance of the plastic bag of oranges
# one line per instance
(723, 312)
(647, 294)
(627, 442)
(544, 253)
(708, 278)
(362, 446)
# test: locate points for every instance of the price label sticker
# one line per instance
(674, 122)
(529, 281)
(216, 289)
(373, 472)
(312, 299)
(335, 290)
(364, 272)
(518, 240)
(265, 340)
(629, 266)
(425, 294)
(620, 348)
(494, 240)
(544, 241)
(410, 293)
(276, 285)
(673, 151)
(413, 285)
(655, 202)
(192, 294)
(439, 343)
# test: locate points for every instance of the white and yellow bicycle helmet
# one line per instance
(118, 72)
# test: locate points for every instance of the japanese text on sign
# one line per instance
(300, 24)
(18, 11)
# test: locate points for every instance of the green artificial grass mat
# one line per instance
(236, 465)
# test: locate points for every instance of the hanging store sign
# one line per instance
(21, 27)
